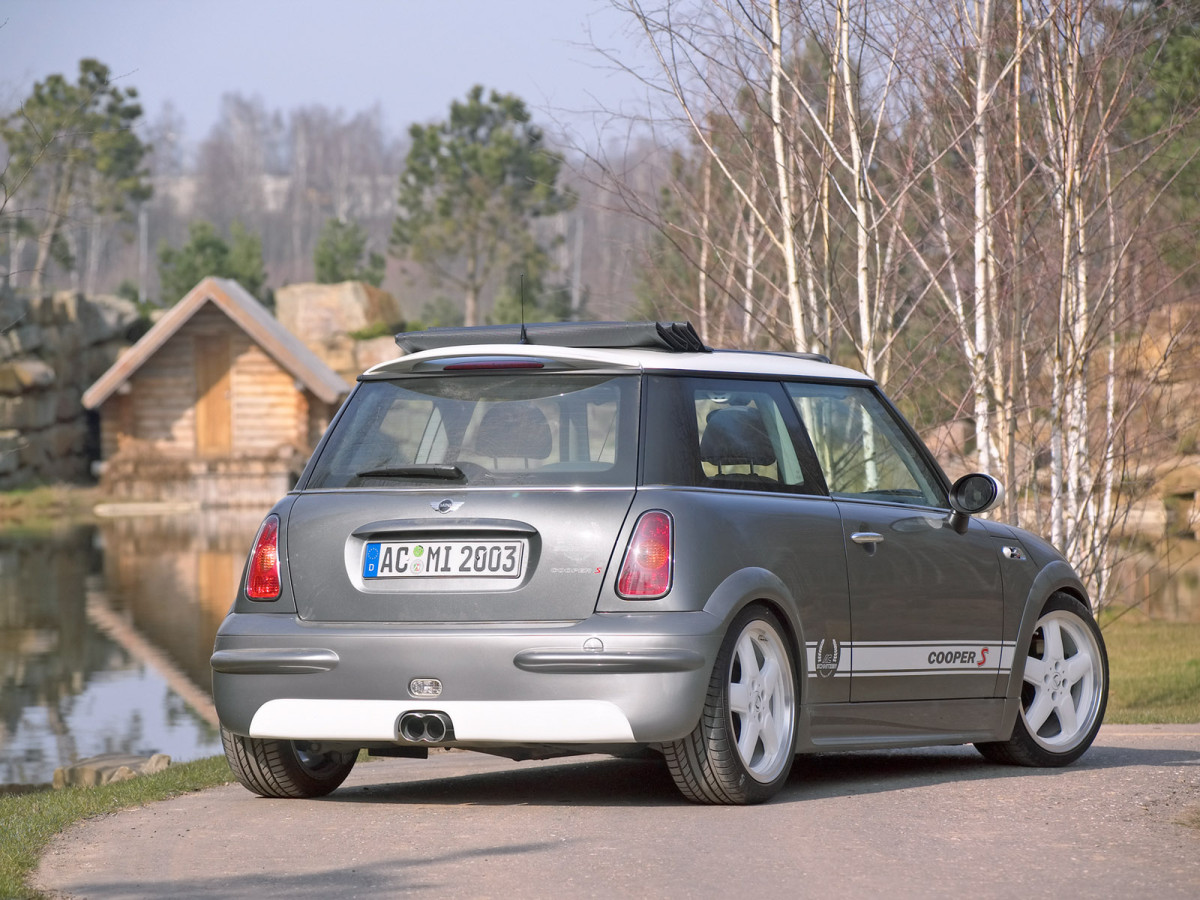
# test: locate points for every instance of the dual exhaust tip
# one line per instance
(426, 727)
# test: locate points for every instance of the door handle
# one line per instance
(867, 537)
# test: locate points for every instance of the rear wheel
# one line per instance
(741, 751)
(286, 769)
(1064, 693)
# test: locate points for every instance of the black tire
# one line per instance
(742, 749)
(272, 768)
(1064, 692)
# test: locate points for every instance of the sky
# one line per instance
(412, 57)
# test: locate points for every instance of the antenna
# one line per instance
(524, 336)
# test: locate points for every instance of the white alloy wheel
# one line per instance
(1063, 682)
(1064, 690)
(742, 748)
(762, 700)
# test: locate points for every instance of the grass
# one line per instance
(45, 508)
(28, 822)
(1154, 669)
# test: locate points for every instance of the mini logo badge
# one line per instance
(829, 652)
(446, 506)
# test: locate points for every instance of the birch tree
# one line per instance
(960, 180)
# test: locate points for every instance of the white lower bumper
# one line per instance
(511, 721)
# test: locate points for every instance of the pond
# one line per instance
(105, 636)
(106, 633)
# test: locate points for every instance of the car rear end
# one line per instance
(436, 576)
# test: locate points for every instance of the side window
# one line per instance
(743, 437)
(863, 452)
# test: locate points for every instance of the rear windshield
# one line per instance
(488, 429)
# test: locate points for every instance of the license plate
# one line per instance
(444, 559)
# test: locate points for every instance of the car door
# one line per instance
(926, 603)
(755, 504)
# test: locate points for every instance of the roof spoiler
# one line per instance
(677, 337)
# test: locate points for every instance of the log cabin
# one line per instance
(217, 404)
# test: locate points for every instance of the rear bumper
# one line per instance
(610, 679)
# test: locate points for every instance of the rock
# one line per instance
(10, 448)
(66, 439)
(337, 352)
(109, 768)
(316, 312)
(97, 359)
(26, 338)
(62, 342)
(14, 310)
(29, 412)
(372, 352)
(1179, 476)
(105, 317)
(62, 308)
(70, 406)
(34, 453)
(1146, 519)
(21, 375)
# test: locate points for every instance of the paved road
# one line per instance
(922, 823)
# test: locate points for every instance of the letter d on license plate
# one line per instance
(445, 559)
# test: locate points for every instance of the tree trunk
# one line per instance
(58, 213)
(787, 225)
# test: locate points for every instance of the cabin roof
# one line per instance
(251, 316)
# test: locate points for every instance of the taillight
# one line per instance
(646, 570)
(262, 578)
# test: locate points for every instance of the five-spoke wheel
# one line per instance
(742, 749)
(1064, 692)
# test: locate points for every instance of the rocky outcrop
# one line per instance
(51, 349)
(331, 319)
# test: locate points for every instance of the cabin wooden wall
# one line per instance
(158, 406)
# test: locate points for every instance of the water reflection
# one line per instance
(105, 635)
(1165, 583)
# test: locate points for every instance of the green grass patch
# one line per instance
(378, 330)
(46, 508)
(1154, 669)
(29, 821)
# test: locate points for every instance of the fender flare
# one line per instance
(752, 585)
(1056, 576)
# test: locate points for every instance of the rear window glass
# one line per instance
(488, 429)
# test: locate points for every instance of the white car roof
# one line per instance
(720, 362)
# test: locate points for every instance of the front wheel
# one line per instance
(741, 751)
(285, 769)
(1064, 693)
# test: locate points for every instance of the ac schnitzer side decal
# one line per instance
(828, 658)
(881, 659)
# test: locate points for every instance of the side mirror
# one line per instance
(973, 494)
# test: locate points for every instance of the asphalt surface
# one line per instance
(922, 823)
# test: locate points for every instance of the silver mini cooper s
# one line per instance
(607, 538)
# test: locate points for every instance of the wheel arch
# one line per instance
(757, 585)
(1057, 577)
